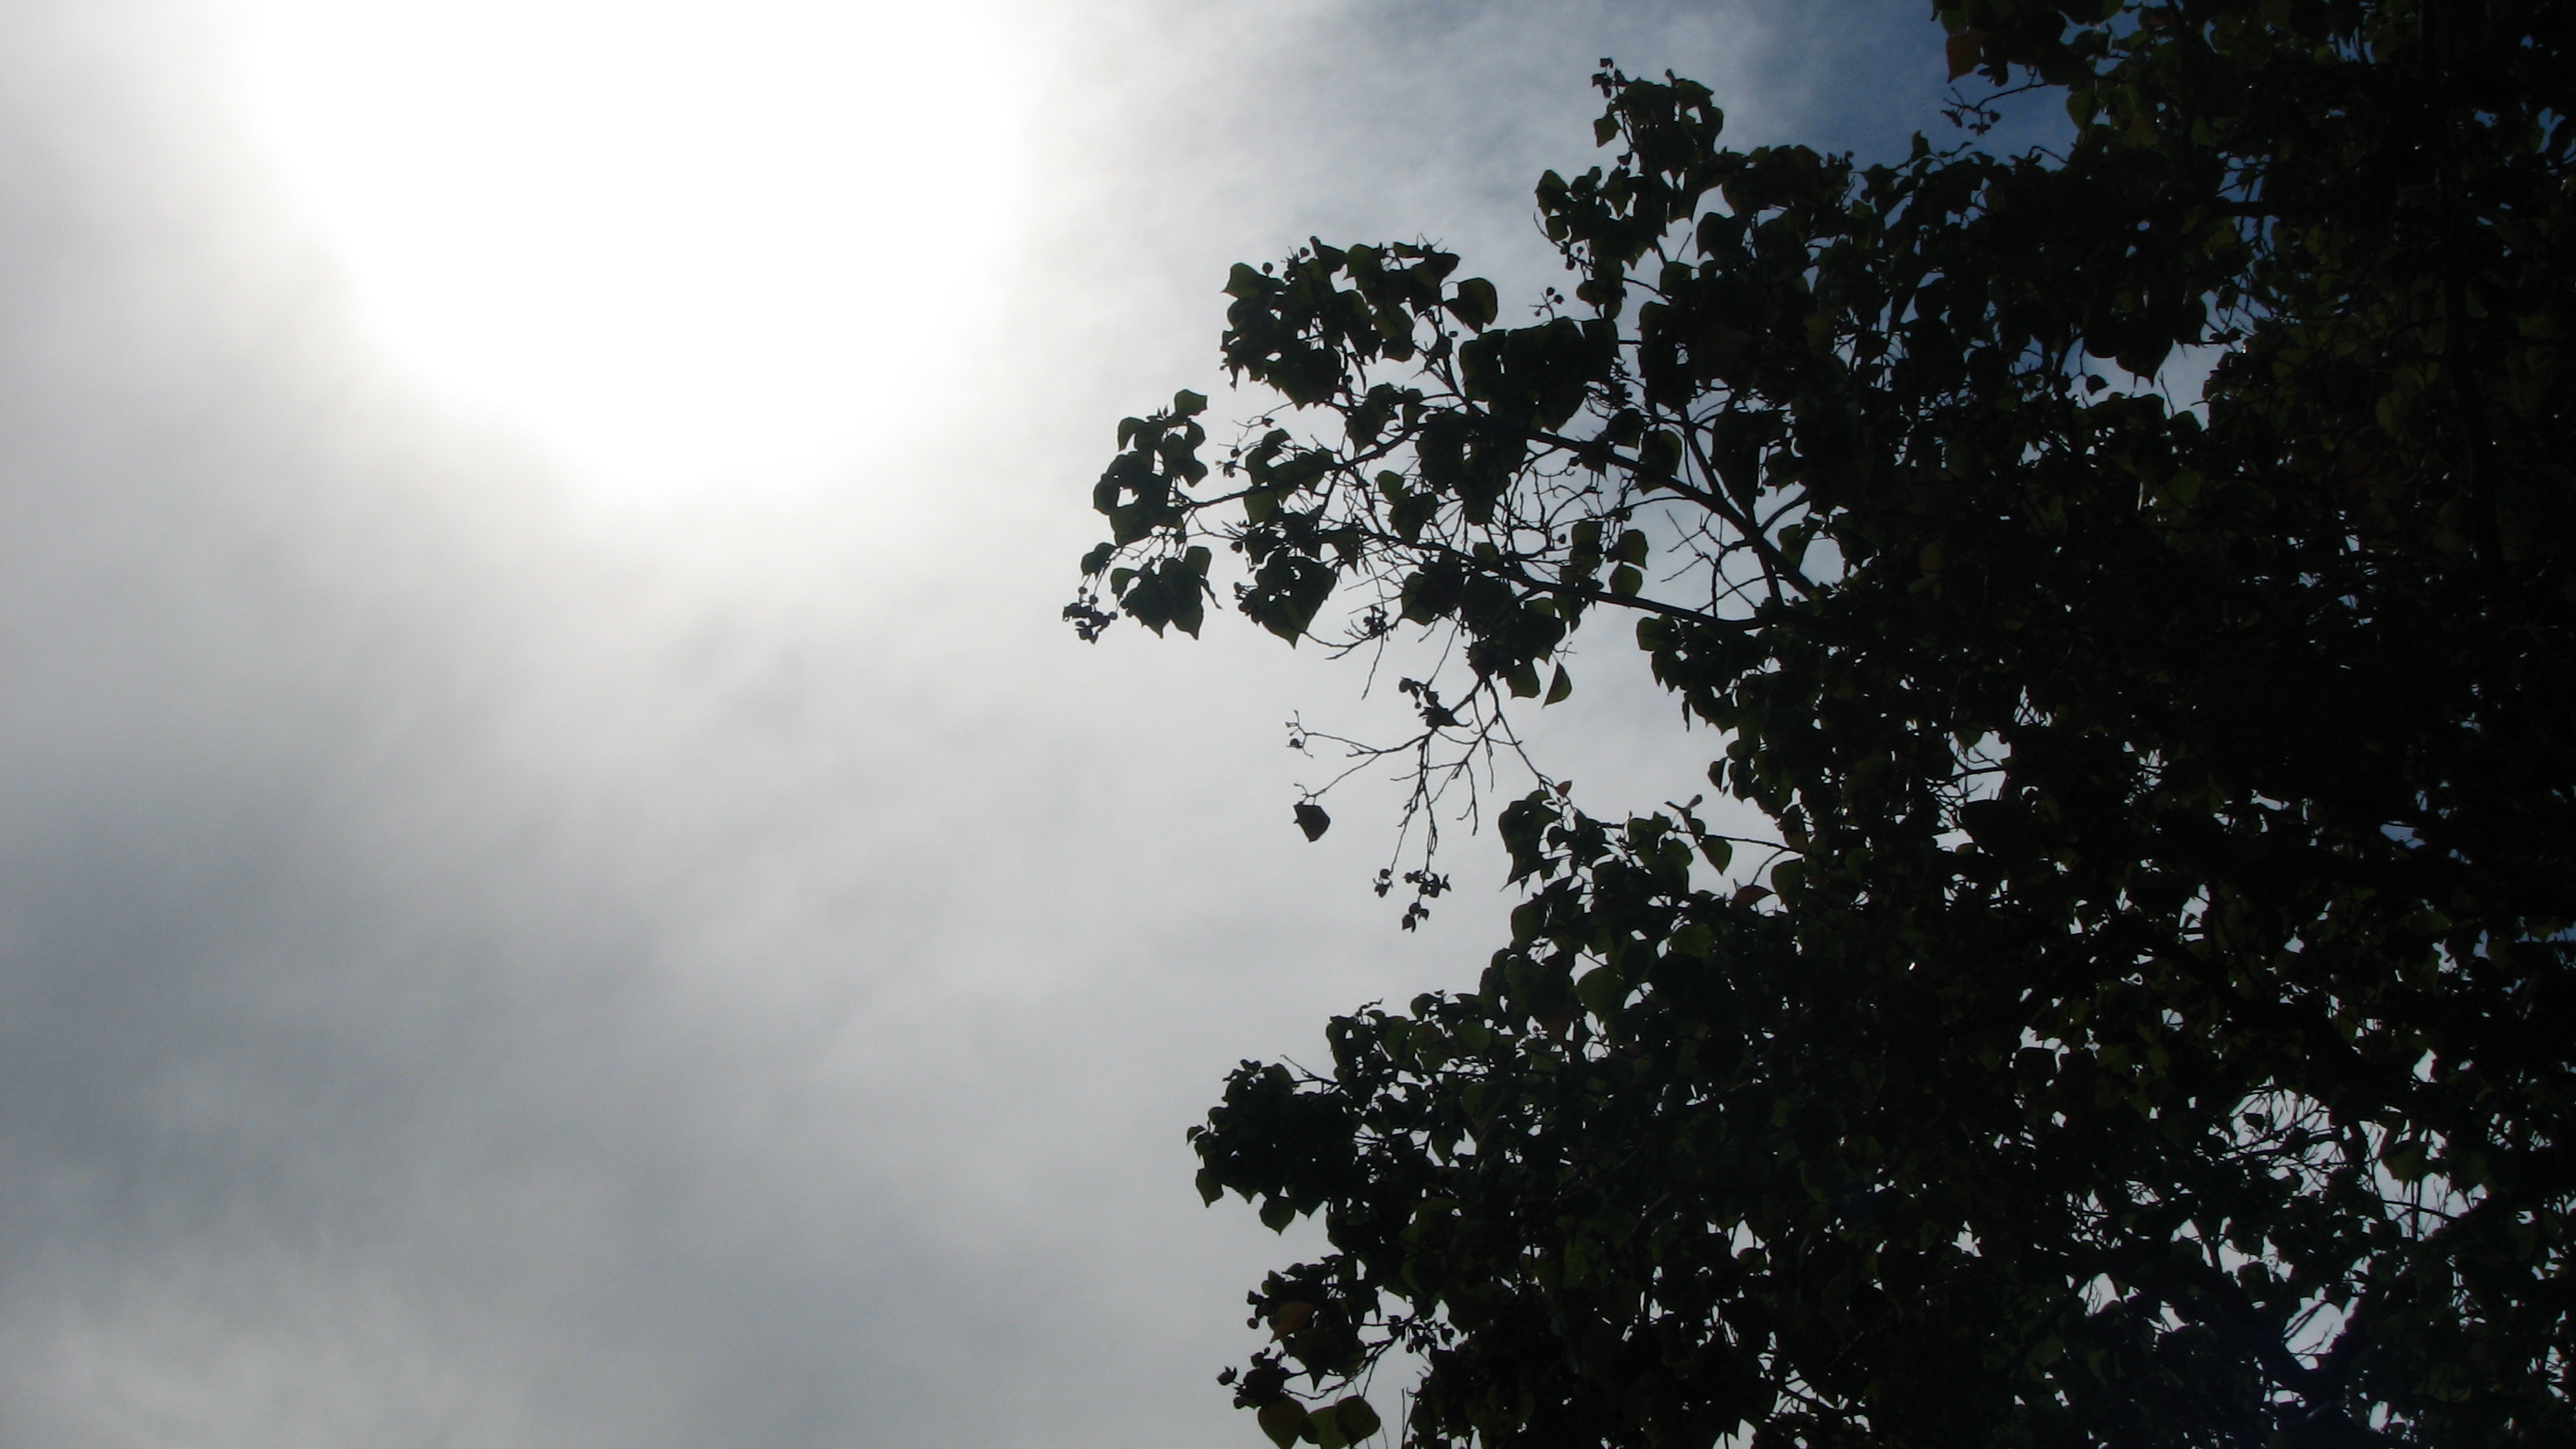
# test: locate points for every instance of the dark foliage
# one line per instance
(2153, 1021)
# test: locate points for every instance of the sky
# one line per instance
(561, 882)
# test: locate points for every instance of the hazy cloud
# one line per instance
(484, 962)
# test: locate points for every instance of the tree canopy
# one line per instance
(2149, 1017)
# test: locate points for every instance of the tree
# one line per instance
(2151, 1018)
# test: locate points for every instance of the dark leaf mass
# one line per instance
(2149, 1020)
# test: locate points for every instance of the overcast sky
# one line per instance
(561, 883)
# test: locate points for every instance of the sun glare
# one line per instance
(687, 243)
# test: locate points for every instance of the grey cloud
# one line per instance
(476, 974)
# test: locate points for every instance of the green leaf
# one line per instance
(1560, 687)
(1245, 281)
(2404, 1159)
(1964, 50)
(1602, 992)
(1285, 1421)
(1475, 304)
(1353, 1420)
(1788, 878)
(1186, 403)
(1626, 580)
(1660, 454)
(1793, 543)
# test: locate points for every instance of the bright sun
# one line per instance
(687, 242)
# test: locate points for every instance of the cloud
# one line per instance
(482, 964)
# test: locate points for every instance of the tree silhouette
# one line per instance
(2151, 1019)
